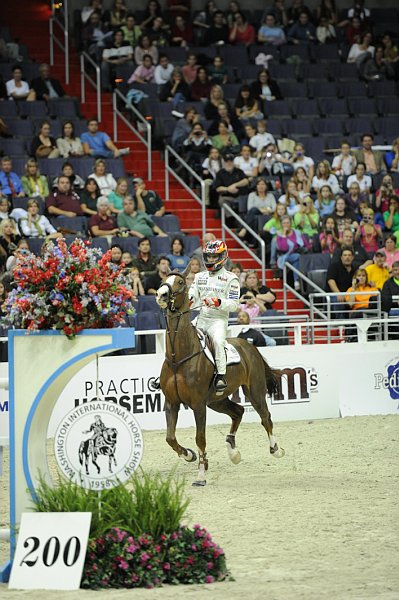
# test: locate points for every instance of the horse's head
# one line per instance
(172, 293)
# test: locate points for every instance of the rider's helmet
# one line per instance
(215, 255)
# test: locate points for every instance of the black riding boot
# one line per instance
(220, 383)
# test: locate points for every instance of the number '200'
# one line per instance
(51, 551)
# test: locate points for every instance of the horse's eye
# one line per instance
(180, 282)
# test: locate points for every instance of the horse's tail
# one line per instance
(273, 377)
(82, 452)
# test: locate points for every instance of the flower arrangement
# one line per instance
(68, 289)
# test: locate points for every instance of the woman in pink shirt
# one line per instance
(251, 305)
(391, 253)
(144, 73)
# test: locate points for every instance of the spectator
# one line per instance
(329, 237)
(163, 71)
(77, 182)
(354, 197)
(34, 184)
(35, 225)
(273, 225)
(306, 219)
(391, 289)
(358, 51)
(238, 270)
(360, 258)
(89, 196)
(230, 183)
(178, 260)
(159, 33)
(246, 105)
(232, 11)
(69, 144)
(368, 233)
(270, 32)
(94, 35)
(211, 107)
(116, 254)
(294, 11)
(175, 91)
(46, 87)
(273, 162)
(289, 242)
(303, 31)
(196, 147)
(116, 17)
(253, 336)
(364, 181)
(391, 216)
(195, 265)
(136, 222)
(106, 181)
(246, 162)
(263, 293)
(301, 160)
(153, 281)
(224, 114)
(64, 202)
(344, 216)
(262, 137)
(117, 52)
(250, 304)
(135, 282)
(210, 168)
(391, 254)
(324, 177)
(291, 198)
(201, 88)
(302, 180)
(131, 31)
(375, 68)
(360, 300)
(9, 237)
(190, 69)
(265, 88)
(359, 11)
(218, 72)
(182, 33)
(198, 252)
(325, 202)
(260, 202)
(43, 144)
(145, 46)
(340, 275)
(183, 127)
(98, 143)
(372, 159)
(384, 193)
(152, 11)
(218, 32)
(102, 223)
(117, 196)
(325, 32)
(17, 88)
(392, 156)
(5, 207)
(144, 73)
(10, 183)
(241, 32)
(344, 163)
(147, 201)
(391, 55)
(353, 31)
(225, 140)
(145, 261)
(377, 272)
(203, 20)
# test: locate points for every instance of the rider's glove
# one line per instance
(212, 302)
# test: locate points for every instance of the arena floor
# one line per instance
(321, 523)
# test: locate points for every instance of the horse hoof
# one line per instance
(234, 454)
(199, 483)
(190, 456)
(277, 452)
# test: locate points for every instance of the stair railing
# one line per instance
(226, 209)
(300, 294)
(139, 117)
(84, 57)
(56, 13)
(170, 170)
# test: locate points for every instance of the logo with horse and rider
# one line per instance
(98, 445)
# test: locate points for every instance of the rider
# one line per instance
(217, 292)
(97, 428)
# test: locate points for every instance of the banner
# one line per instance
(4, 405)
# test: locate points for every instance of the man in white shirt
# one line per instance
(119, 53)
(163, 70)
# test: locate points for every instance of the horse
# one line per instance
(104, 444)
(187, 378)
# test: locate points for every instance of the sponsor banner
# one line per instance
(4, 406)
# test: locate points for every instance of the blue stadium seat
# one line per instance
(358, 125)
(8, 109)
(298, 128)
(293, 89)
(311, 262)
(168, 223)
(350, 89)
(160, 245)
(280, 109)
(322, 89)
(129, 244)
(35, 245)
(38, 108)
(300, 50)
(191, 243)
(325, 53)
(19, 127)
(387, 127)
(101, 243)
(382, 88)
(148, 303)
(78, 224)
(234, 55)
(147, 319)
(312, 72)
(13, 147)
(344, 71)
(63, 107)
(332, 107)
(388, 106)
(302, 107)
(51, 167)
(362, 106)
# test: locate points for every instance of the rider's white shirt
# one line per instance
(222, 285)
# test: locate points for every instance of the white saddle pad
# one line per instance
(232, 355)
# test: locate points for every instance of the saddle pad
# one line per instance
(232, 355)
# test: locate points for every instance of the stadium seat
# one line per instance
(280, 109)
(147, 303)
(129, 244)
(388, 106)
(332, 107)
(351, 89)
(168, 223)
(325, 53)
(388, 127)
(51, 167)
(160, 245)
(63, 107)
(300, 50)
(77, 224)
(234, 55)
(35, 245)
(322, 89)
(101, 243)
(191, 243)
(379, 89)
(301, 107)
(358, 125)
(8, 109)
(298, 128)
(292, 89)
(312, 72)
(33, 109)
(362, 106)
(147, 319)
(19, 127)
(312, 262)
(343, 71)
(13, 147)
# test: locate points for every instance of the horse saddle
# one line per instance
(232, 355)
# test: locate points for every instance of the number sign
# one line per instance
(51, 551)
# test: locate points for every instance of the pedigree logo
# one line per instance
(390, 380)
(296, 384)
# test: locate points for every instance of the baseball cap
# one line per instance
(229, 157)
(138, 180)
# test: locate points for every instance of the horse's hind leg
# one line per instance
(235, 412)
(172, 412)
(200, 439)
(258, 401)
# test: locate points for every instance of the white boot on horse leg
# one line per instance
(275, 450)
(190, 456)
(233, 452)
(202, 468)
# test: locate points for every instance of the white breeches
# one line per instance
(217, 330)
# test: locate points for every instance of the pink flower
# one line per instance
(209, 565)
(166, 566)
(123, 565)
(144, 557)
(209, 579)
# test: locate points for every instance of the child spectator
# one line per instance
(329, 237)
(368, 233)
(325, 202)
(344, 163)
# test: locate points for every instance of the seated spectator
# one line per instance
(391, 253)
(359, 11)
(289, 242)
(201, 88)
(291, 198)
(147, 201)
(384, 194)
(135, 281)
(241, 32)
(368, 233)
(77, 182)
(117, 196)
(325, 32)
(181, 33)
(89, 196)
(364, 181)
(175, 90)
(98, 143)
(303, 31)
(273, 225)
(260, 202)
(183, 128)
(190, 69)
(69, 144)
(218, 72)
(116, 254)
(216, 96)
(64, 202)
(279, 13)
(163, 71)
(17, 88)
(375, 68)
(340, 275)
(250, 304)
(131, 31)
(238, 270)
(273, 162)
(253, 336)
(94, 35)
(250, 132)
(345, 162)
(354, 29)
(178, 260)
(262, 139)
(270, 33)
(302, 180)
(34, 184)
(358, 51)
(247, 163)
(152, 11)
(232, 11)
(5, 206)
(145, 46)
(328, 236)
(46, 87)
(225, 114)
(347, 239)
(354, 197)
(210, 168)
(246, 105)
(35, 225)
(136, 222)
(263, 293)
(391, 54)
(117, 52)
(306, 219)
(294, 11)
(324, 177)
(117, 15)
(43, 144)
(196, 147)
(373, 160)
(10, 183)
(225, 140)
(102, 223)
(21, 251)
(344, 216)
(152, 282)
(106, 181)
(265, 88)
(326, 10)
(159, 33)
(325, 202)
(377, 272)
(391, 216)
(230, 183)
(9, 237)
(391, 289)
(145, 261)
(195, 265)
(361, 300)
(301, 160)
(203, 20)
(218, 32)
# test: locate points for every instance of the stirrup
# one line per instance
(220, 383)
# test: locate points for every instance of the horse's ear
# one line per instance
(187, 270)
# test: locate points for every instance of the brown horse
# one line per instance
(187, 378)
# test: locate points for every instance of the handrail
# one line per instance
(96, 84)
(262, 260)
(117, 113)
(168, 169)
(288, 288)
(64, 25)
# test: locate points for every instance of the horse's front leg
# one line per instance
(172, 412)
(200, 438)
